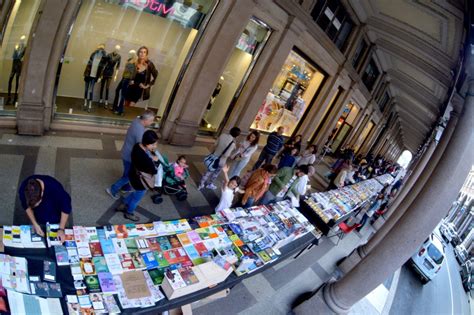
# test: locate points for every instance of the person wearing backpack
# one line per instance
(224, 147)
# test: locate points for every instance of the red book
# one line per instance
(174, 241)
(121, 231)
(177, 256)
(153, 244)
(127, 262)
(96, 250)
(201, 248)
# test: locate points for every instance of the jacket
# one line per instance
(87, 71)
(140, 162)
(256, 186)
(150, 72)
(282, 177)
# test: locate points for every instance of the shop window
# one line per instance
(359, 54)
(293, 90)
(370, 75)
(100, 71)
(384, 101)
(12, 52)
(364, 136)
(343, 126)
(236, 72)
(333, 18)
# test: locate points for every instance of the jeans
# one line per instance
(267, 198)
(133, 199)
(120, 93)
(105, 83)
(264, 156)
(237, 167)
(89, 90)
(123, 180)
(249, 202)
(209, 177)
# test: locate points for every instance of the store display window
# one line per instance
(12, 52)
(236, 72)
(343, 126)
(364, 135)
(292, 92)
(106, 74)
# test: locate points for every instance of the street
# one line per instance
(443, 295)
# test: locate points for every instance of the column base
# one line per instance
(350, 261)
(30, 119)
(183, 133)
(378, 223)
(324, 301)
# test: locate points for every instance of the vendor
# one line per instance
(45, 201)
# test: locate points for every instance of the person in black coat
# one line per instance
(143, 167)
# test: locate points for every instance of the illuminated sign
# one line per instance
(152, 5)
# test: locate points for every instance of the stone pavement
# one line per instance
(86, 163)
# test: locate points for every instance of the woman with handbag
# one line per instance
(244, 152)
(142, 173)
(216, 160)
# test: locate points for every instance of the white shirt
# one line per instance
(222, 143)
(227, 196)
(245, 150)
(95, 65)
(307, 159)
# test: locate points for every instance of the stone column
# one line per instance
(372, 138)
(466, 224)
(409, 191)
(359, 125)
(4, 14)
(412, 229)
(462, 217)
(43, 52)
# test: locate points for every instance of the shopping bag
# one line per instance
(212, 162)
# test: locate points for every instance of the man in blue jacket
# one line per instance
(274, 144)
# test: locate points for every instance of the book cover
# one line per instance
(7, 235)
(107, 246)
(131, 245)
(193, 236)
(84, 251)
(25, 236)
(138, 262)
(113, 263)
(142, 245)
(111, 305)
(150, 260)
(76, 271)
(87, 267)
(109, 231)
(157, 275)
(164, 243)
(126, 262)
(92, 283)
(49, 271)
(92, 234)
(16, 234)
(175, 279)
(100, 264)
(95, 248)
(106, 281)
(97, 302)
(101, 234)
(62, 257)
(177, 256)
(174, 241)
(155, 291)
(120, 246)
(79, 284)
(188, 276)
(84, 301)
(121, 231)
(68, 235)
(161, 260)
(134, 284)
(80, 236)
(153, 244)
(52, 234)
(131, 230)
(183, 239)
(70, 244)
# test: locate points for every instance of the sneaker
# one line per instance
(131, 216)
(200, 187)
(109, 191)
(211, 186)
(122, 208)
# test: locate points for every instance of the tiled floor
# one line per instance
(87, 163)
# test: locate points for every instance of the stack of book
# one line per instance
(22, 236)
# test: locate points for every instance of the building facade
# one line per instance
(310, 66)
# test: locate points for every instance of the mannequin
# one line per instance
(111, 66)
(92, 74)
(122, 87)
(214, 95)
(17, 57)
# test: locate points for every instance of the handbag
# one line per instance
(147, 180)
(212, 161)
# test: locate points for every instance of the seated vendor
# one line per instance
(45, 201)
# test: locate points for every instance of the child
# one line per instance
(227, 190)
(180, 168)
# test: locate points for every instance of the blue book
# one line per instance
(107, 246)
(101, 234)
(150, 260)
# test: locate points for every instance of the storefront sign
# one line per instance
(152, 5)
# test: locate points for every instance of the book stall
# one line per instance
(139, 268)
(329, 208)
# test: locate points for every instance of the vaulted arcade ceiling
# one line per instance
(418, 45)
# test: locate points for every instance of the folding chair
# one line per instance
(343, 230)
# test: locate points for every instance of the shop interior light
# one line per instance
(209, 126)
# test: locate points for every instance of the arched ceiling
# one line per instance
(417, 45)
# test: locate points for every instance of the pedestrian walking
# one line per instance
(215, 162)
(134, 135)
(274, 144)
(243, 153)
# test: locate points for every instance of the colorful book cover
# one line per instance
(113, 263)
(87, 267)
(142, 245)
(16, 234)
(131, 245)
(193, 254)
(126, 262)
(92, 233)
(121, 231)
(111, 305)
(107, 246)
(138, 262)
(73, 255)
(107, 282)
(84, 252)
(177, 256)
(183, 239)
(193, 236)
(153, 244)
(237, 251)
(157, 275)
(100, 264)
(84, 301)
(97, 302)
(150, 260)
(62, 258)
(70, 244)
(149, 229)
(164, 243)
(101, 234)
(221, 262)
(96, 249)
(175, 279)
(80, 236)
(131, 230)
(161, 260)
(264, 256)
(188, 276)
(120, 246)
(174, 241)
(92, 283)
(110, 231)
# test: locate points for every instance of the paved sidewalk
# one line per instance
(86, 163)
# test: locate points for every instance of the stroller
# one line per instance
(171, 185)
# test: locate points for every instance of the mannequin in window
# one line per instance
(17, 57)
(122, 87)
(214, 95)
(299, 105)
(290, 102)
(92, 74)
(145, 77)
(111, 66)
